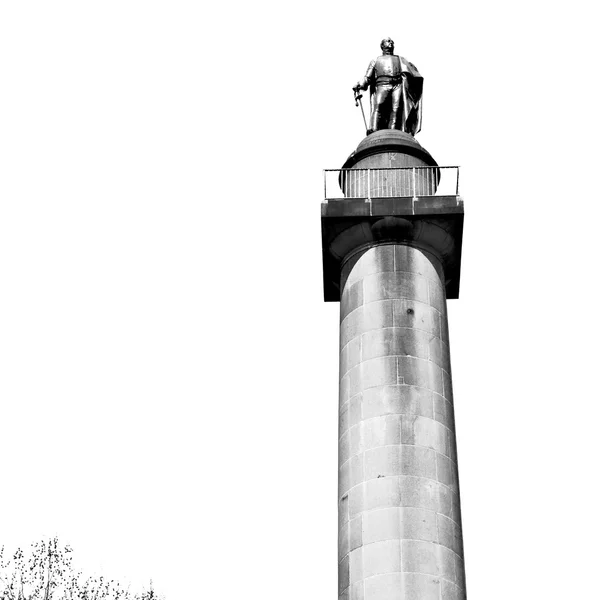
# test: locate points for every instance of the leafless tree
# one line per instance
(47, 573)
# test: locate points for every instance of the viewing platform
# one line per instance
(418, 205)
(401, 191)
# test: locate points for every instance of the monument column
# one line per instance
(392, 223)
(399, 535)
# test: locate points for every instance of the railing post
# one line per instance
(368, 184)
(414, 181)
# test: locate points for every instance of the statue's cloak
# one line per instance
(412, 98)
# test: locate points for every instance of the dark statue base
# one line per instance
(389, 148)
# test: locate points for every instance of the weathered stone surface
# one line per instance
(416, 315)
(400, 491)
(389, 461)
(399, 523)
(443, 411)
(389, 341)
(397, 399)
(450, 591)
(353, 297)
(449, 534)
(369, 263)
(381, 557)
(406, 258)
(402, 586)
(396, 284)
(400, 533)
(350, 355)
(343, 573)
(360, 320)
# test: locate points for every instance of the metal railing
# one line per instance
(390, 183)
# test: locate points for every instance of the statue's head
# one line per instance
(387, 45)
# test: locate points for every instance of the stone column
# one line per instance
(399, 533)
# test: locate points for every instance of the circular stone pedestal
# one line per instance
(390, 149)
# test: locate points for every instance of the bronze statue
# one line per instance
(396, 90)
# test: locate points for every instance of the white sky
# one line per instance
(168, 369)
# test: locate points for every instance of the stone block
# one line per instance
(445, 334)
(443, 411)
(357, 591)
(356, 564)
(419, 372)
(434, 204)
(344, 483)
(416, 315)
(382, 524)
(447, 563)
(351, 326)
(355, 410)
(455, 508)
(344, 419)
(401, 491)
(345, 208)
(351, 473)
(398, 523)
(375, 316)
(388, 586)
(451, 591)
(447, 379)
(395, 341)
(392, 206)
(356, 534)
(377, 493)
(449, 534)
(372, 261)
(402, 586)
(356, 443)
(390, 461)
(344, 448)
(415, 260)
(374, 372)
(439, 353)
(437, 296)
(352, 298)
(385, 286)
(381, 557)
(460, 572)
(344, 540)
(381, 431)
(354, 381)
(343, 574)
(344, 389)
(426, 494)
(446, 472)
(397, 399)
(350, 355)
(451, 445)
(421, 557)
(417, 586)
(422, 431)
(418, 524)
(343, 511)
(357, 469)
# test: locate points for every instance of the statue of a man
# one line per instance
(396, 90)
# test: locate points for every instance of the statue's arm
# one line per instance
(363, 84)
